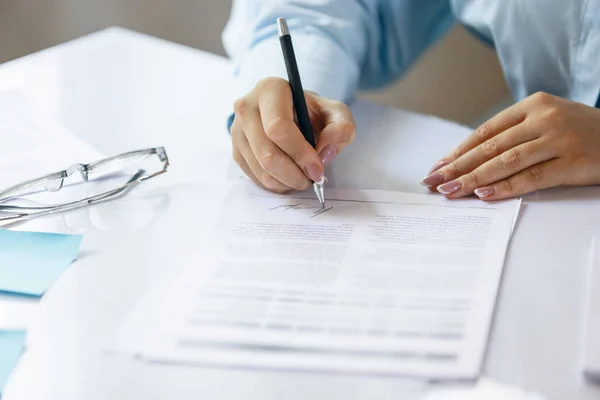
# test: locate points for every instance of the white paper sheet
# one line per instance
(484, 389)
(380, 282)
(591, 328)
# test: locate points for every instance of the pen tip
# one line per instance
(282, 27)
(320, 192)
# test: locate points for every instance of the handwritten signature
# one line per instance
(297, 206)
(321, 210)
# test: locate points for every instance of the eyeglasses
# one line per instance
(101, 181)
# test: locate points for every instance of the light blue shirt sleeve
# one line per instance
(340, 45)
(543, 45)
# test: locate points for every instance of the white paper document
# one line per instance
(484, 389)
(377, 282)
(591, 328)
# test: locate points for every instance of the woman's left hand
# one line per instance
(540, 142)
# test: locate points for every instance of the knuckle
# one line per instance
(474, 180)
(484, 131)
(241, 106)
(267, 180)
(553, 115)
(268, 160)
(339, 104)
(510, 159)
(507, 187)
(276, 129)
(454, 169)
(536, 173)
(542, 98)
(296, 155)
(490, 147)
(450, 171)
(270, 84)
(347, 132)
(456, 153)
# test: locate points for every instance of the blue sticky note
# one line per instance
(12, 344)
(30, 262)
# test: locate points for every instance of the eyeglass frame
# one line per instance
(84, 170)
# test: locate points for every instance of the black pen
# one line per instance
(298, 96)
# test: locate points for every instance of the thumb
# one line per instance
(338, 130)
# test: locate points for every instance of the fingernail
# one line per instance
(484, 191)
(327, 154)
(437, 166)
(433, 179)
(315, 174)
(449, 187)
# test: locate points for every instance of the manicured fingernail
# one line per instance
(437, 166)
(449, 187)
(433, 179)
(484, 191)
(315, 174)
(327, 154)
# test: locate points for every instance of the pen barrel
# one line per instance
(297, 90)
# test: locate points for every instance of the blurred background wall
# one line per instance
(458, 79)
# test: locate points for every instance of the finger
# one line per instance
(501, 167)
(502, 121)
(241, 162)
(339, 129)
(540, 176)
(277, 116)
(253, 168)
(269, 156)
(479, 155)
(238, 140)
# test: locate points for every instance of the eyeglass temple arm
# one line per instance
(110, 195)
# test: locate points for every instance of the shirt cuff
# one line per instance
(325, 68)
(230, 122)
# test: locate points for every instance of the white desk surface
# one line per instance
(120, 90)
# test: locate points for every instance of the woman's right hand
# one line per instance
(270, 148)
